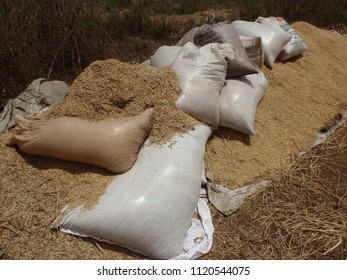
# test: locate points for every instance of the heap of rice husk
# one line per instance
(303, 94)
(112, 89)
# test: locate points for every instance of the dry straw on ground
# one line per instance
(294, 217)
(301, 214)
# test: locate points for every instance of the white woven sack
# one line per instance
(239, 100)
(273, 40)
(225, 33)
(149, 208)
(295, 46)
(164, 56)
(201, 74)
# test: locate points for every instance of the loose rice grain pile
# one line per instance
(112, 89)
(303, 95)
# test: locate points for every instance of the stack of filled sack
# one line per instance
(219, 68)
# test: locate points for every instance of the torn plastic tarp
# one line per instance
(327, 130)
(38, 95)
(227, 200)
(199, 238)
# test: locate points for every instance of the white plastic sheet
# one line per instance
(321, 137)
(39, 95)
(199, 238)
(226, 200)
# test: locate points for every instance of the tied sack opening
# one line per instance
(112, 144)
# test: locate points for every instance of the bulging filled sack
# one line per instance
(239, 100)
(254, 50)
(295, 46)
(112, 144)
(272, 39)
(201, 74)
(225, 33)
(164, 56)
(149, 208)
(188, 37)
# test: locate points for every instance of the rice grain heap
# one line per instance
(112, 89)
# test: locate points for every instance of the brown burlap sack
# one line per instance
(112, 144)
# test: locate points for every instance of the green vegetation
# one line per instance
(56, 39)
(317, 12)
